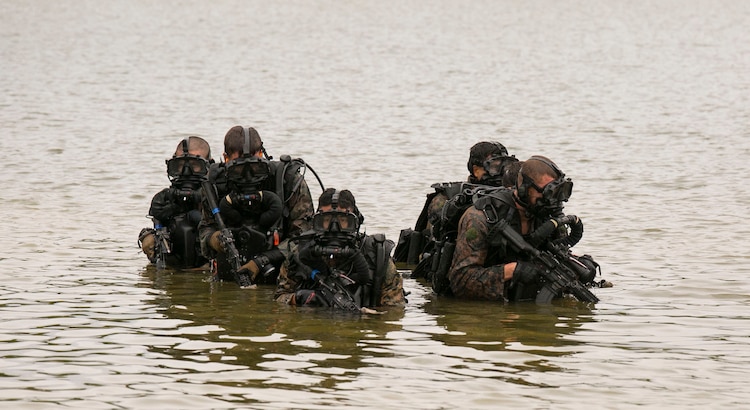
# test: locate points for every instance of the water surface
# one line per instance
(643, 104)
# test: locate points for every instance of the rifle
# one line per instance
(161, 245)
(560, 270)
(334, 290)
(226, 238)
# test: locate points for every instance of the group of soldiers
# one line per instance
(251, 219)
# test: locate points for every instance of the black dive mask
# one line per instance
(335, 221)
(187, 167)
(553, 195)
(335, 228)
(247, 173)
(494, 169)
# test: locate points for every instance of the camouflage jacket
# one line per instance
(479, 259)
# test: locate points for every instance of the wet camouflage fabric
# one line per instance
(469, 276)
(435, 208)
(393, 287)
(301, 209)
(292, 279)
(477, 268)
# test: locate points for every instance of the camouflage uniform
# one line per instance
(470, 275)
(479, 259)
(292, 277)
(435, 208)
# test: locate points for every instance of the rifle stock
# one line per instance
(559, 270)
(225, 237)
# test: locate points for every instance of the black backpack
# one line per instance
(414, 243)
(436, 254)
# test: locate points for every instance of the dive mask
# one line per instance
(495, 165)
(335, 221)
(553, 194)
(494, 168)
(248, 170)
(186, 166)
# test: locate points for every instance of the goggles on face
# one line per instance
(186, 166)
(245, 170)
(335, 221)
(554, 193)
(495, 165)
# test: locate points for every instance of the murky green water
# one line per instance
(643, 104)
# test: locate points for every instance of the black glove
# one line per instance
(308, 297)
(525, 272)
(265, 263)
(567, 220)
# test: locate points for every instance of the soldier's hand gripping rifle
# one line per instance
(559, 269)
(162, 247)
(226, 238)
(333, 290)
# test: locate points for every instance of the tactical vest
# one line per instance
(250, 238)
(284, 180)
(414, 243)
(435, 265)
(377, 250)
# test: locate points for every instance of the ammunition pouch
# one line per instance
(441, 264)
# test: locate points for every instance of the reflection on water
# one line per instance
(242, 339)
(247, 328)
(505, 326)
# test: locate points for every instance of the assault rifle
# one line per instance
(226, 238)
(559, 269)
(161, 245)
(333, 290)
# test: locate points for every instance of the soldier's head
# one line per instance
(246, 164)
(541, 187)
(337, 213)
(242, 142)
(190, 161)
(195, 146)
(487, 162)
(342, 200)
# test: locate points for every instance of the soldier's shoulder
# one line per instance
(474, 218)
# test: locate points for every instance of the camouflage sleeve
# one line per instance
(301, 210)
(435, 208)
(392, 293)
(285, 286)
(468, 276)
